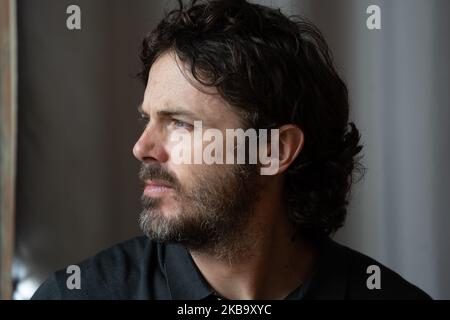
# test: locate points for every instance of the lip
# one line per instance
(156, 188)
(157, 183)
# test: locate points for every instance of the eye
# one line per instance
(181, 124)
(143, 119)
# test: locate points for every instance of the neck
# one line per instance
(273, 264)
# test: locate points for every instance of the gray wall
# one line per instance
(77, 185)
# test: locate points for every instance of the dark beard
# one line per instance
(215, 211)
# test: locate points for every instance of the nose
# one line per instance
(149, 147)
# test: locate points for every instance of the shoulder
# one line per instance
(110, 274)
(369, 279)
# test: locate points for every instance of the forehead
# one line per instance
(168, 86)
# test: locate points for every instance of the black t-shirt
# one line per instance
(143, 269)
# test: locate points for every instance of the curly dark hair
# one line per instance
(276, 70)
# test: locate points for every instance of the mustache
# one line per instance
(158, 172)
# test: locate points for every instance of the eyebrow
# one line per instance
(173, 111)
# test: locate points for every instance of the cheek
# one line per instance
(179, 145)
(193, 176)
(182, 152)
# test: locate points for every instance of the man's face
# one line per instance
(199, 205)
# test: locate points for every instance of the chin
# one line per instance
(169, 210)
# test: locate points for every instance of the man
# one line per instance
(222, 229)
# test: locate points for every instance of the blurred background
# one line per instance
(68, 100)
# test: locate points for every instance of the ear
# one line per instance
(286, 143)
(291, 141)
